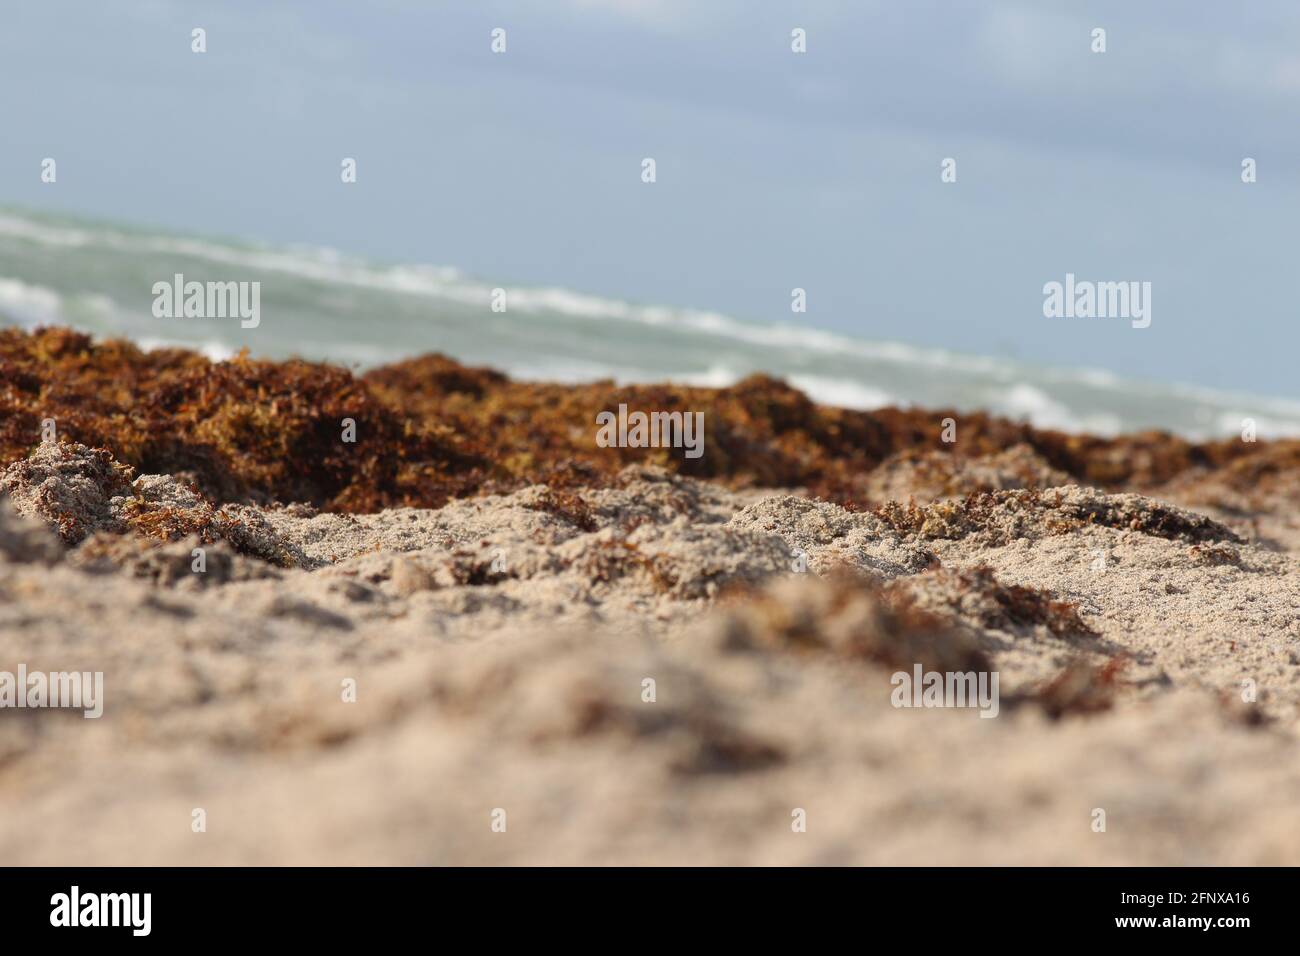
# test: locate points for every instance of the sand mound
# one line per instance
(927, 476)
(74, 488)
(82, 491)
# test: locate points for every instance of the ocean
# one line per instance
(327, 305)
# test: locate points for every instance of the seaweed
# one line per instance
(1081, 688)
(1007, 606)
(1002, 516)
(851, 617)
(430, 429)
(567, 506)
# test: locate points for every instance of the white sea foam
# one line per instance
(1025, 401)
(715, 376)
(213, 351)
(573, 371)
(43, 233)
(29, 305)
(320, 264)
(841, 392)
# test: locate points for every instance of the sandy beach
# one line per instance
(473, 636)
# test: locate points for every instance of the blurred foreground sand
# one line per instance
(500, 647)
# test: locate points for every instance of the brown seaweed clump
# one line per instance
(850, 618)
(419, 432)
(243, 430)
(1002, 516)
(976, 595)
(1081, 688)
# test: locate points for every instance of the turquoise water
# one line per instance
(323, 304)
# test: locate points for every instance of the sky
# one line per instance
(775, 170)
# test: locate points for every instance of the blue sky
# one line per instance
(775, 170)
